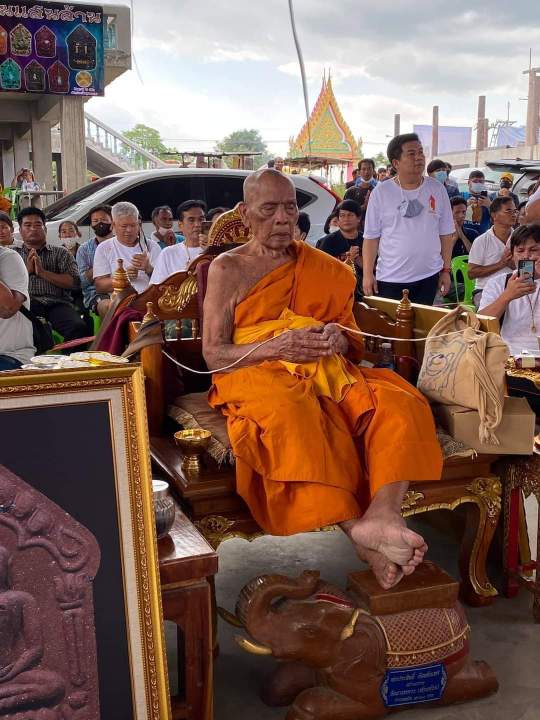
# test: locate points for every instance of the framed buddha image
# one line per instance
(81, 628)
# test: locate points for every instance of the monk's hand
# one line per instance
(303, 345)
(338, 341)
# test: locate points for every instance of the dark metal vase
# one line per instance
(164, 507)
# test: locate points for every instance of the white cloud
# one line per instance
(385, 57)
(221, 54)
(315, 71)
(187, 119)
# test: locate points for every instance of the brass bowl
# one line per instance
(193, 443)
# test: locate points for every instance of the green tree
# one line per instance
(148, 138)
(380, 159)
(245, 141)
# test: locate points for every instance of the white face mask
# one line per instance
(163, 231)
(477, 187)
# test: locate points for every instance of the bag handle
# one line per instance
(487, 395)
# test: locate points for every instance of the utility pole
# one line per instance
(480, 128)
(435, 132)
(533, 107)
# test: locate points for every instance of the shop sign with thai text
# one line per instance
(51, 48)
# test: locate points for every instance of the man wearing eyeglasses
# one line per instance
(490, 255)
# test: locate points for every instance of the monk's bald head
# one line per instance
(266, 181)
(270, 209)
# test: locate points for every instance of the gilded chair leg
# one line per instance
(536, 589)
(482, 517)
(511, 540)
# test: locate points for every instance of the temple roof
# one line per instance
(331, 137)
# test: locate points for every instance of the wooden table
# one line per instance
(187, 564)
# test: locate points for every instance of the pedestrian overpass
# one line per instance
(108, 151)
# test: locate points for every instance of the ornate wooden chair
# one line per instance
(209, 496)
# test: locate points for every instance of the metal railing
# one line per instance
(127, 153)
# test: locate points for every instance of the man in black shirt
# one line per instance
(352, 182)
(346, 243)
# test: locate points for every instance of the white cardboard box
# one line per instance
(515, 433)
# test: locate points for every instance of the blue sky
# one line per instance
(212, 67)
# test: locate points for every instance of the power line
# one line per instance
(251, 142)
(302, 75)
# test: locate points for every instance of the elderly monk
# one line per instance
(317, 439)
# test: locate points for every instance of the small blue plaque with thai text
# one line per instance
(408, 686)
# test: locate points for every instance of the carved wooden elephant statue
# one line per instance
(338, 662)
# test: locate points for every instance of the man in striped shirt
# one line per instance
(53, 274)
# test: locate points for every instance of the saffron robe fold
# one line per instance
(313, 444)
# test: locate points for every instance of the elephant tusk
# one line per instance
(348, 630)
(229, 617)
(251, 647)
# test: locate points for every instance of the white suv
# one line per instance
(149, 188)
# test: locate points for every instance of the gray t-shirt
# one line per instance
(16, 335)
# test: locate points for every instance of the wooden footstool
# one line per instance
(187, 565)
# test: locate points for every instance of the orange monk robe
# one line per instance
(305, 460)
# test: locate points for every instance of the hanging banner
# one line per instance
(51, 48)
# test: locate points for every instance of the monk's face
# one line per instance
(270, 211)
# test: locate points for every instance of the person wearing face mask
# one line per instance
(101, 225)
(164, 235)
(506, 182)
(69, 234)
(129, 244)
(409, 229)
(366, 174)
(478, 203)
(438, 171)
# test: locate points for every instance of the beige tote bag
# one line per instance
(466, 368)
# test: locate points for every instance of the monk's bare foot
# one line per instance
(387, 573)
(388, 535)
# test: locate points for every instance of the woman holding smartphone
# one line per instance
(514, 298)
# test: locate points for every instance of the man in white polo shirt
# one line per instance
(139, 254)
(179, 257)
(489, 255)
(409, 229)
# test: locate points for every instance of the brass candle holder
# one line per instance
(192, 443)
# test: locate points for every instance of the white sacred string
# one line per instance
(343, 327)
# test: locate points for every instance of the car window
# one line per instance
(524, 183)
(223, 191)
(65, 206)
(227, 191)
(304, 198)
(163, 191)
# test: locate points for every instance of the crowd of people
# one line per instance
(398, 227)
(401, 228)
(65, 283)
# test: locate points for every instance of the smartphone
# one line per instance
(526, 270)
(206, 225)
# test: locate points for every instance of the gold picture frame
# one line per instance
(55, 426)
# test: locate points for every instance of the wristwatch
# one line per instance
(448, 270)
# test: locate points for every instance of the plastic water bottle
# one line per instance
(386, 357)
